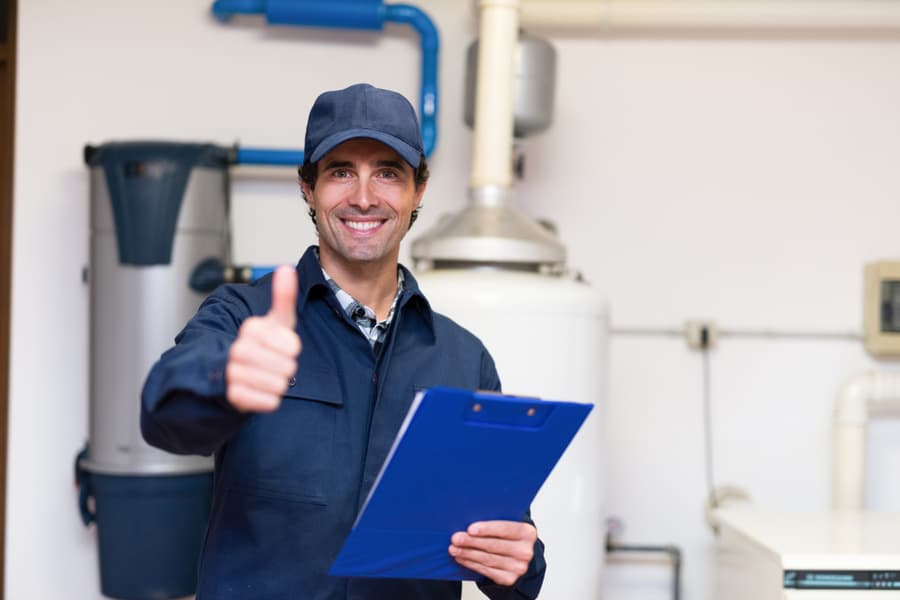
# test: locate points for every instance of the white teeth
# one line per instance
(362, 225)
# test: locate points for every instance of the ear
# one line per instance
(419, 193)
(307, 191)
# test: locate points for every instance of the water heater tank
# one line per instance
(548, 336)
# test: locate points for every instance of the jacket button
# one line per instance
(292, 381)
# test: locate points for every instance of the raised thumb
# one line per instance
(284, 296)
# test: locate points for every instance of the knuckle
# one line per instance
(272, 386)
(237, 352)
(295, 346)
(269, 403)
(525, 552)
(234, 373)
(288, 367)
(237, 398)
(251, 326)
(522, 568)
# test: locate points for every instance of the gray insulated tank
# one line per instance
(157, 209)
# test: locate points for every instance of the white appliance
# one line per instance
(548, 336)
(503, 276)
(828, 555)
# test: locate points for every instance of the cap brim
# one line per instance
(407, 152)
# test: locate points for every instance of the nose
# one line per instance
(364, 196)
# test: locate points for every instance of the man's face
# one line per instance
(364, 197)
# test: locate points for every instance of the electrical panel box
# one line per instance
(881, 308)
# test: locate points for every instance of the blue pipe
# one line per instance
(268, 156)
(343, 14)
(257, 272)
(349, 14)
(430, 42)
(223, 10)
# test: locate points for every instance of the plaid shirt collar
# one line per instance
(362, 315)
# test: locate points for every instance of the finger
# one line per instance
(509, 530)
(498, 576)
(254, 377)
(284, 296)
(266, 332)
(489, 559)
(247, 399)
(254, 353)
(475, 547)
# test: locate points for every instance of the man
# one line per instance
(299, 437)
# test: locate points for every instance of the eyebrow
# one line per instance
(338, 164)
(344, 164)
(396, 164)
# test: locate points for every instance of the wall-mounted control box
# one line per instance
(881, 308)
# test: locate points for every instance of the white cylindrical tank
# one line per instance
(548, 336)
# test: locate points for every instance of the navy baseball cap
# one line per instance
(363, 111)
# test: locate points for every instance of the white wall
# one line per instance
(741, 178)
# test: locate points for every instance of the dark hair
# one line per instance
(309, 173)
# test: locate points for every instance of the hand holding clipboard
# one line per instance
(459, 458)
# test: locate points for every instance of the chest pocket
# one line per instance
(289, 454)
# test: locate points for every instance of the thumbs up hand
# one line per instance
(263, 357)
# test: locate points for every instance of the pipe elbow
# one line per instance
(865, 392)
(853, 397)
(417, 19)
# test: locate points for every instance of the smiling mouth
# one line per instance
(362, 225)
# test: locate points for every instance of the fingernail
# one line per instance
(454, 550)
(475, 529)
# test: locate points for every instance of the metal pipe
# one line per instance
(223, 10)
(430, 44)
(355, 14)
(617, 15)
(671, 550)
(347, 14)
(492, 152)
(268, 156)
(867, 393)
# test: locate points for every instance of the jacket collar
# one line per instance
(312, 284)
(413, 295)
(311, 280)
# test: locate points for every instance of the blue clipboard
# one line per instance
(459, 457)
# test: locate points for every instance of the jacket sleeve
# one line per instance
(183, 404)
(529, 584)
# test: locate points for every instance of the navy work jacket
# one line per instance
(289, 484)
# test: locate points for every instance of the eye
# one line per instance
(388, 174)
(340, 173)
